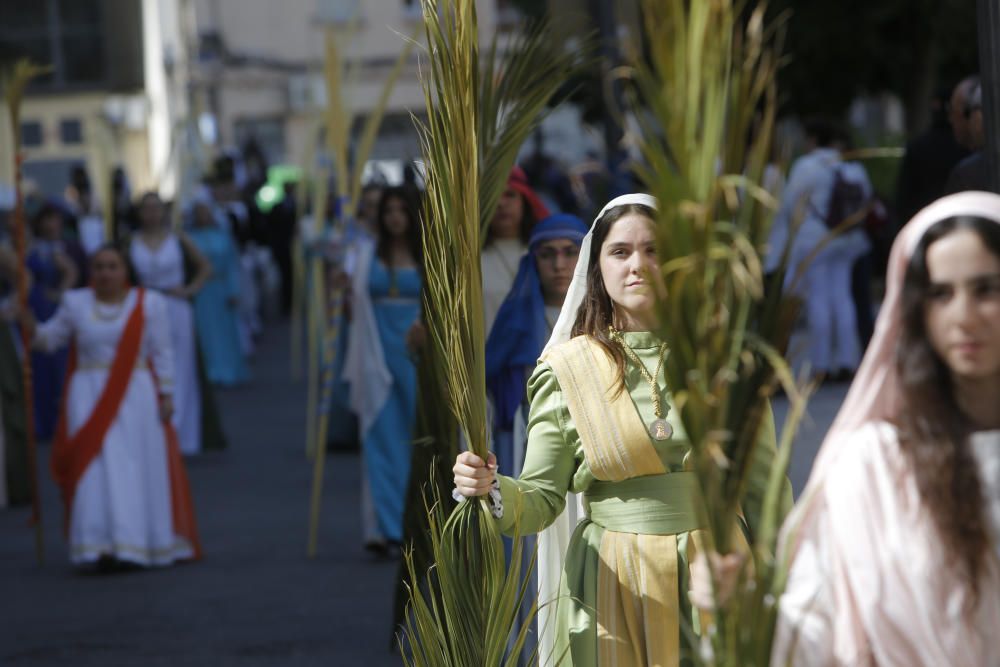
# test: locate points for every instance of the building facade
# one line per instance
(114, 94)
(260, 69)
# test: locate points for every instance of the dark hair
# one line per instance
(149, 194)
(596, 314)
(123, 254)
(413, 237)
(47, 209)
(528, 222)
(934, 432)
(823, 130)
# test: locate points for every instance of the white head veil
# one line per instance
(554, 540)
(578, 288)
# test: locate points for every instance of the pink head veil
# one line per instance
(875, 394)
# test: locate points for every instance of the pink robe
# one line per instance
(870, 584)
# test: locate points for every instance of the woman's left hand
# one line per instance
(166, 407)
(416, 337)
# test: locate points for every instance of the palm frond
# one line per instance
(710, 90)
(464, 611)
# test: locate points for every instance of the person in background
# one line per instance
(215, 314)
(123, 213)
(971, 173)
(524, 324)
(385, 333)
(930, 157)
(858, 248)
(116, 459)
(238, 223)
(52, 272)
(86, 209)
(15, 480)
(171, 264)
(895, 542)
(517, 212)
(281, 224)
(371, 195)
(825, 283)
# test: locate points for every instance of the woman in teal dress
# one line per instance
(601, 425)
(215, 306)
(385, 333)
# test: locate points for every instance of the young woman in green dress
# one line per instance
(601, 425)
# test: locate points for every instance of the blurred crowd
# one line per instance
(224, 264)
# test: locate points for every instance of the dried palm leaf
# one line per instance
(709, 86)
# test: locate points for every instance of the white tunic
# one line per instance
(163, 269)
(122, 502)
(499, 265)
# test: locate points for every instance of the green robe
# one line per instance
(555, 463)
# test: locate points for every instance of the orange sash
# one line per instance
(71, 456)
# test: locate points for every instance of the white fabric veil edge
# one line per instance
(554, 540)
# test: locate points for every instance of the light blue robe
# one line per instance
(216, 320)
(387, 444)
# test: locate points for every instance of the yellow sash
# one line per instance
(638, 615)
(615, 441)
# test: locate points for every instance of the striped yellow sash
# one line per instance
(614, 438)
(638, 615)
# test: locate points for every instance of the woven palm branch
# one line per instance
(709, 87)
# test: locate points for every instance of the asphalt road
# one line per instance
(256, 599)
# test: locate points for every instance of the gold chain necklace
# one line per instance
(660, 428)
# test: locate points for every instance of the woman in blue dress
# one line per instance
(385, 333)
(52, 273)
(215, 306)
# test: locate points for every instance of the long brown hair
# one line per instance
(934, 432)
(596, 314)
(413, 232)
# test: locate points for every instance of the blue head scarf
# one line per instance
(520, 331)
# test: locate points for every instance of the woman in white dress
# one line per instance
(115, 455)
(517, 212)
(162, 259)
(896, 539)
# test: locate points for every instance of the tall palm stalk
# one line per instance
(17, 79)
(516, 84)
(464, 610)
(709, 88)
(326, 302)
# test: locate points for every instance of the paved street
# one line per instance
(256, 599)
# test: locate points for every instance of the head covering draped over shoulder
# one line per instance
(520, 332)
(875, 393)
(518, 181)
